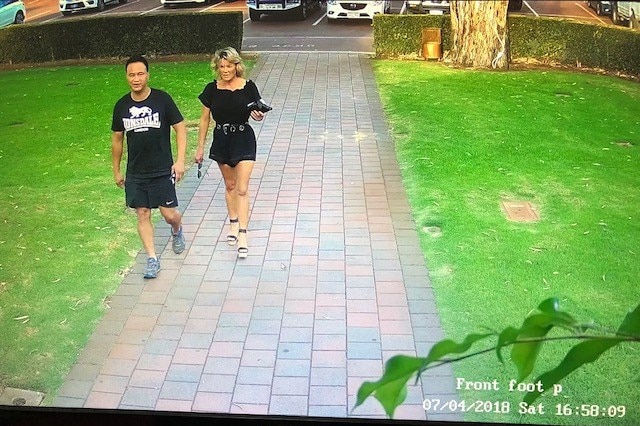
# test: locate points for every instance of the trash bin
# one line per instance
(432, 43)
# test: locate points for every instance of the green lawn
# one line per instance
(66, 240)
(567, 143)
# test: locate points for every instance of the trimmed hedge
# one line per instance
(108, 36)
(546, 39)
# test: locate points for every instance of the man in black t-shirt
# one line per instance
(146, 116)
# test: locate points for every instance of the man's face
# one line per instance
(137, 77)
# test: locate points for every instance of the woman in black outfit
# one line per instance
(234, 142)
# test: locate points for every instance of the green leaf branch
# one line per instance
(525, 342)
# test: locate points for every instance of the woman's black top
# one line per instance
(236, 141)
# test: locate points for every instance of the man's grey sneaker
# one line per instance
(152, 268)
(178, 243)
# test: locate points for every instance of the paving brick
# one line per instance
(212, 402)
(217, 383)
(185, 391)
(103, 400)
(140, 397)
(184, 373)
(147, 379)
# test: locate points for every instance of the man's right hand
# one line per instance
(118, 179)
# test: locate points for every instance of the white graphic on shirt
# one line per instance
(141, 119)
(139, 112)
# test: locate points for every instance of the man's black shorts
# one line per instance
(151, 192)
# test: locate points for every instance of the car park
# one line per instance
(67, 7)
(359, 9)
(12, 12)
(601, 7)
(298, 9)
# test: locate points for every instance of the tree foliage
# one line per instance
(525, 342)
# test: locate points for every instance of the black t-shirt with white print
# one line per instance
(147, 125)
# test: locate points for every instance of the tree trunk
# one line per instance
(480, 33)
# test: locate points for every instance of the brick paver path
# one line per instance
(334, 284)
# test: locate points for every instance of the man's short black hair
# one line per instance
(137, 58)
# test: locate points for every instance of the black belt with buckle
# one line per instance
(231, 128)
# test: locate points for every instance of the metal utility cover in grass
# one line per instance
(520, 211)
(19, 397)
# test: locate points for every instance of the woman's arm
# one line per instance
(203, 128)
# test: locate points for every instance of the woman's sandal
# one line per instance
(232, 238)
(243, 251)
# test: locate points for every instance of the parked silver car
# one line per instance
(440, 7)
(431, 7)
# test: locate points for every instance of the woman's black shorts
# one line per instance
(231, 147)
(151, 192)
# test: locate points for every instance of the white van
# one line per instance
(358, 9)
(626, 12)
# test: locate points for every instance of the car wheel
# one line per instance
(19, 19)
(123, 1)
(65, 13)
(614, 14)
(100, 5)
(254, 15)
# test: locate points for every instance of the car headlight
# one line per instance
(332, 2)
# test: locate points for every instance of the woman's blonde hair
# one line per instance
(232, 56)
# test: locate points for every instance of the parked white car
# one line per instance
(626, 12)
(67, 7)
(359, 9)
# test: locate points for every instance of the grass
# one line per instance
(566, 142)
(66, 240)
